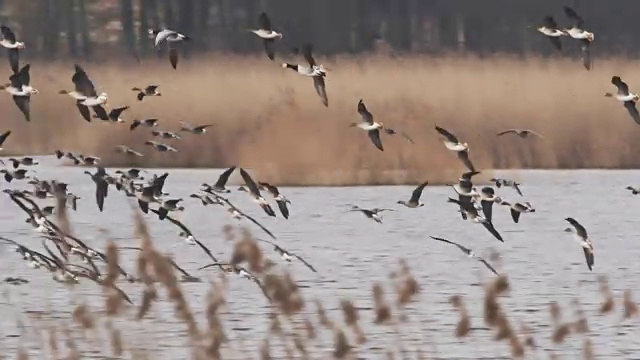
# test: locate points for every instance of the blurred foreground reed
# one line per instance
(298, 327)
(270, 119)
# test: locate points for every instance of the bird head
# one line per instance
(279, 35)
(636, 97)
(149, 143)
(33, 91)
(381, 124)
(589, 36)
(20, 45)
(284, 65)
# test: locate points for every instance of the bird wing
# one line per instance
(158, 184)
(633, 111)
(580, 230)
(305, 263)
(282, 205)
(507, 132)
(249, 182)
(374, 135)
(489, 226)
(270, 188)
(555, 41)
(515, 215)
(173, 56)
(82, 83)
(464, 157)
(84, 111)
(366, 115)
(224, 177)
(586, 53)
(22, 102)
(517, 187)
(450, 137)
(264, 22)
(306, 52)
(25, 78)
(101, 113)
(622, 87)
(549, 22)
(464, 249)
(487, 209)
(573, 16)
(4, 136)
(319, 85)
(7, 34)
(588, 255)
(268, 48)
(488, 266)
(417, 192)
(115, 113)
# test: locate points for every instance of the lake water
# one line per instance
(351, 252)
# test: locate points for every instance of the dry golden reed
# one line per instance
(271, 120)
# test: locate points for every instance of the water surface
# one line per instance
(351, 252)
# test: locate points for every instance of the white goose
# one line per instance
(581, 236)
(550, 29)
(577, 32)
(628, 98)
(267, 34)
(9, 42)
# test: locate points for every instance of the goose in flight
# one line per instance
(468, 252)
(13, 47)
(113, 115)
(267, 34)
(200, 129)
(21, 91)
(99, 179)
(414, 202)
(85, 95)
(627, 98)
(206, 200)
(507, 183)
(168, 205)
(487, 198)
(160, 146)
(150, 90)
(239, 271)
(287, 255)
(3, 137)
(634, 191)
(517, 209)
(452, 143)
(277, 196)
(252, 189)
(522, 133)
(464, 187)
(146, 122)
(145, 196)
(580, 234)
(172, 38)
(165, 134)
(220, 185)
(577, 32)
(26, 161)
(127, 151)
(473, 216)
(550, 29)
(316, 72)
(373, 127)
(370, 213)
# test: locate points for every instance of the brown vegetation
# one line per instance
(270, 119)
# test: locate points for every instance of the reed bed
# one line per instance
(299, 327)
(270, 119)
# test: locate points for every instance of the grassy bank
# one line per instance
(271, 120)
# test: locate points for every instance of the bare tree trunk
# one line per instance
(126, 18)
(84, 30)
(143, 30)
(167, 7)
(72, 33)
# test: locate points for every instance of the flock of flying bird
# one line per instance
(474, 206)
